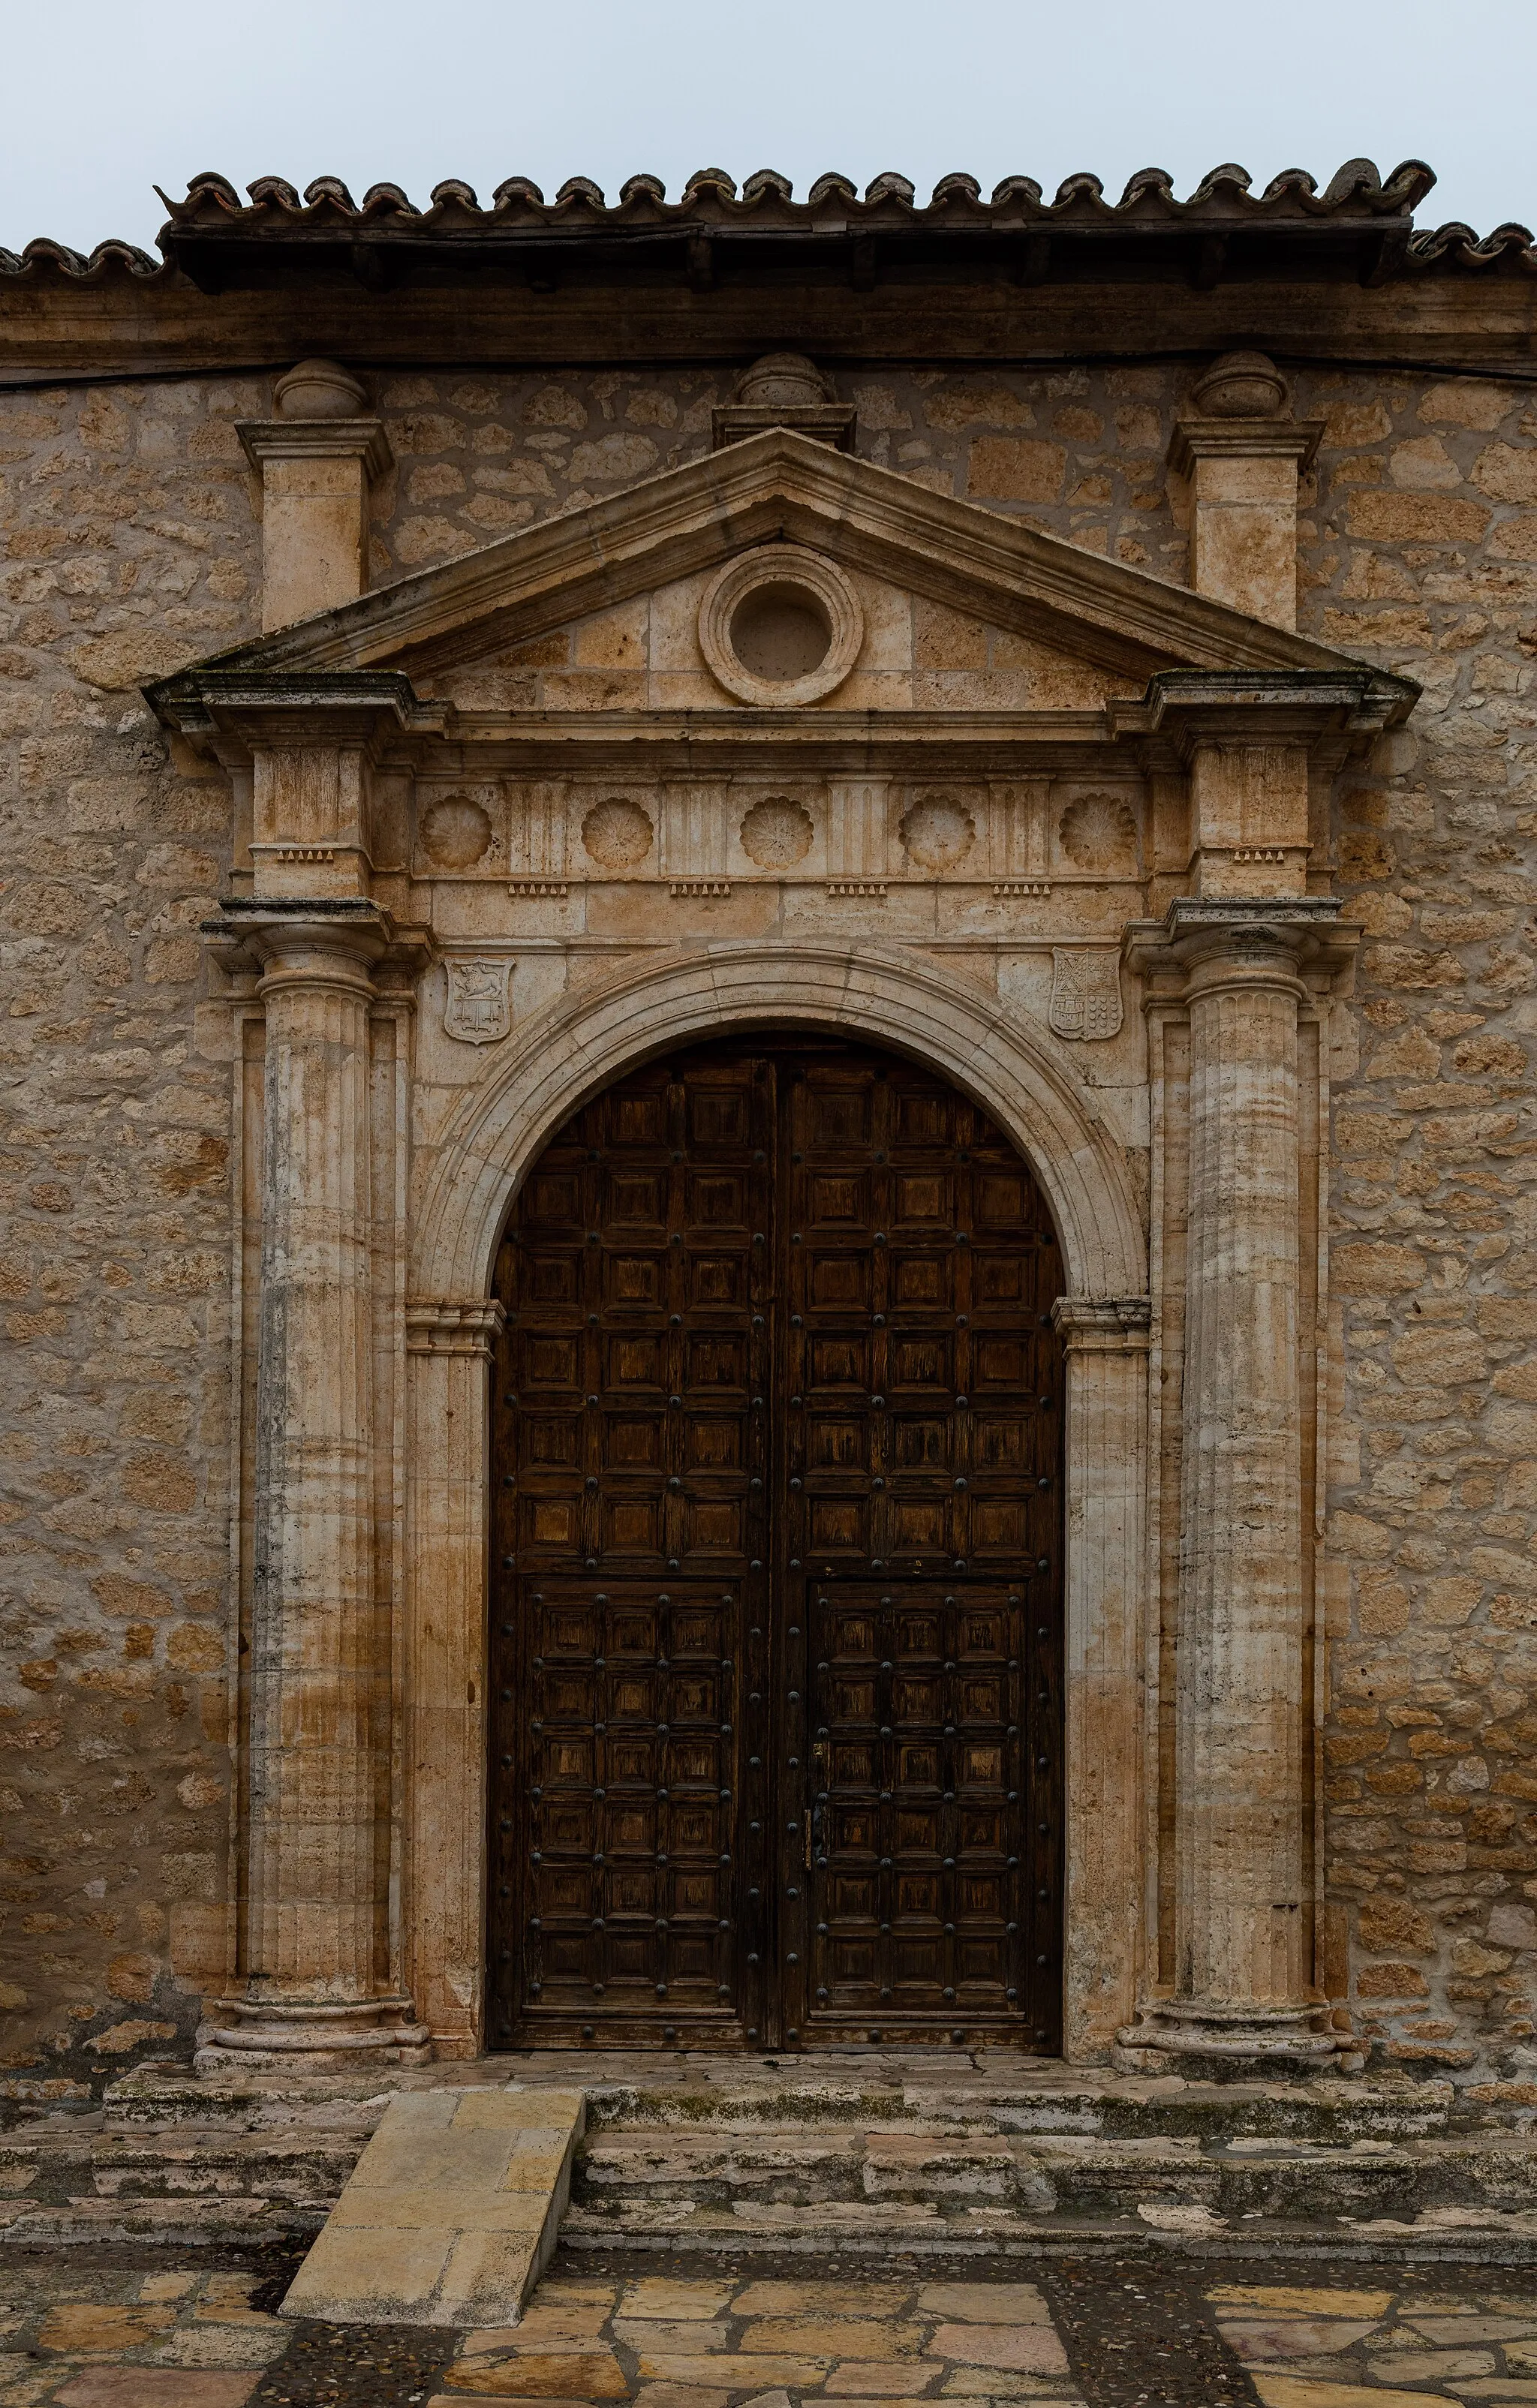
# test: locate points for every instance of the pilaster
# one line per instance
(450, 1346)
(317, 460)
(1243, 454)
(1106, 1344)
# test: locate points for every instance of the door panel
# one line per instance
(922, 1428)
(631, 1441)
(776, 1636)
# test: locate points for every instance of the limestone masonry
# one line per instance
(450, 659)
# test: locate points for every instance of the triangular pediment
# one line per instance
(651, 654)
(963, 609)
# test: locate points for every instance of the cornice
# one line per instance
(274, 710)
(1188, 709)
(238, 717)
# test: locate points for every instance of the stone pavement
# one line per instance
(126, 2328)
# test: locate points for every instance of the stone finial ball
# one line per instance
(1242, 384)
(783, 380)
(318, 389)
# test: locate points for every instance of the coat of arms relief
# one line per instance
(479, 1008)
(1086, 992)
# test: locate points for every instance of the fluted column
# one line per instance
(315, 1946)
(1243, 1975)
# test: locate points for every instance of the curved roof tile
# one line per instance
(1223, 203)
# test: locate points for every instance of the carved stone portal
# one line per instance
(735, 781)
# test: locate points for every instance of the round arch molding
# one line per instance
(466, 1179)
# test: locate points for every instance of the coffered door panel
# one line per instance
(632, 1514)
(922, 1891)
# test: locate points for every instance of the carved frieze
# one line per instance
(1012, 836)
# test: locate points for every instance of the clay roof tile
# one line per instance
(213, 225)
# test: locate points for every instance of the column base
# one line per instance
(248, 2035)
(1227, 2042)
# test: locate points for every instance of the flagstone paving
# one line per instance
(665, 2342)
(1388, 2344)
(101, 2330)
(132, 2328)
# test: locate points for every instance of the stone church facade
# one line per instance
(768, 1277)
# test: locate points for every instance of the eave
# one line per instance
(1342, 276)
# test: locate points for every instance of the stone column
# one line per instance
(1106, 1344)
(450, 1347)
(1243, 1980)
(315, 1951)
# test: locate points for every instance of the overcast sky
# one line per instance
(103, 98)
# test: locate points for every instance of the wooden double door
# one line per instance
(776, 1656)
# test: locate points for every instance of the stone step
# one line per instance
(850, 2147)
(180, 2181)
(1435, 2236)
(842, 2181)
(981, 2090)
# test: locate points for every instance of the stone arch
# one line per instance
(577, 1045)
(467, 1176)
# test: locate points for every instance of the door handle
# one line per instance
(818, 1801)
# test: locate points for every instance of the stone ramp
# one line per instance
(451, 2214)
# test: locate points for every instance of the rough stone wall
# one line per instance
(1421, 554)
(127, 542)
(1079, 453)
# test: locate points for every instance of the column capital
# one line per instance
(364, 440)
(1206, 942)
(1293, 439)
(1104, 1325)
(270, 939)
(439, 1324)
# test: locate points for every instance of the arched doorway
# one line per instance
(776, 1664)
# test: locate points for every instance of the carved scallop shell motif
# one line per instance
(617, 833)
(776, 833)
(1099, 832)
(938, 832)
(455, 833)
